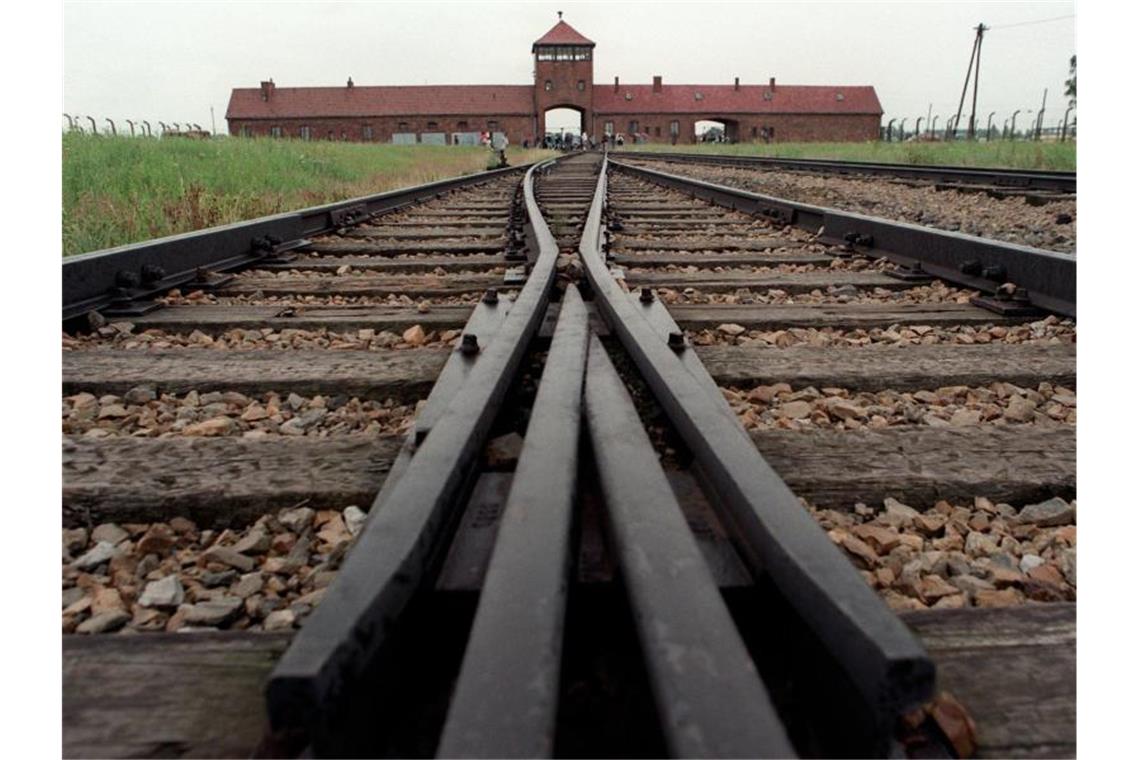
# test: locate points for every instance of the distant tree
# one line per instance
(1071, 82)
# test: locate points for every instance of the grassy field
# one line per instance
(123, 190)
(1012, 155)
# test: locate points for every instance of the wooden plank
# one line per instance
(838, 316)
(399, 232)
(363, 285)
(218, 482)
(370, 248)
(804, 282)
(214, 319)
(1014, 670)
(156, 695)
(167, 695)
(329, 264)
(405, 374)
(919, 465)
(720, 259)
(234, 480)
(902, 368)
(720, 243)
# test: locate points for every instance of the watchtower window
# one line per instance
(564, 53)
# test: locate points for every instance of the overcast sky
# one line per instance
(172, 61)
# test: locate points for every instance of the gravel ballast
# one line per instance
(1050, 226)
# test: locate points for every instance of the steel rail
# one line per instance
(93, 281)
(506, 699)
(1021, 179)
(399, 548)
(1048, 278)
(710, 699)
(883, 659)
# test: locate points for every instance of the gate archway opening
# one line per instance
(563, 124)
(716, 130)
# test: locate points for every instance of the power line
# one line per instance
(1038, 21)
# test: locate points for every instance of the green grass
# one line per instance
(119, 190)
(1011, 155)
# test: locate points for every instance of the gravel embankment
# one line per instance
(936, 292)
(122, 335)
(780, 407)
(171, 576)
(1051, 330)
(142, 413)
(199, 297)
(1051, 226)
(949, 555)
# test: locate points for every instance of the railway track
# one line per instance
(643, 475)
(1013, 181)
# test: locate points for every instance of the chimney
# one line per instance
(736, 84)
(615, 84)
(267, 89)
(349, 83)
(657, 84)
(772, 83)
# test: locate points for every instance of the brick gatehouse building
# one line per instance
(563, 78)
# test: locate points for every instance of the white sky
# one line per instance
(172, 61)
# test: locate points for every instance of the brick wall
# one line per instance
(517, 128)
(564, 92)
(786, 127)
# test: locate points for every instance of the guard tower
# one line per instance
(563, 74)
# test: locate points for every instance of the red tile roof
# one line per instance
(562, 34)
(431, 100)
(723, 99)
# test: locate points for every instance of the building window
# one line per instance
(402, 126)
(609, 128)
(767, 95)
(332, 135)
(366, 131)
(582, 54)
(275, 131)
(432, 126)
(754, 131)
(549, 85)
(462, 126)
(633, 127)
(306, 133)
(247, 131)
(581, 85)
(492, 125)
(674, 127)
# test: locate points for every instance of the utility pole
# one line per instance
(1041, 115)
(213, 126)
(975, 64)
(977, 68)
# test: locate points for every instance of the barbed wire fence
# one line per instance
(133, 127)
